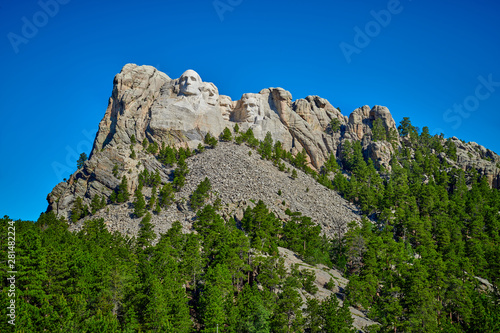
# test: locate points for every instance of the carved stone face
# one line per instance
(226, 106)
(190, 83)
(251, 107)
(211, 93)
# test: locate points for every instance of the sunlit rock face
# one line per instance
(186, 110)
(146, 104)
(190, 83)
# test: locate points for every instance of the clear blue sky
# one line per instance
(420, 58)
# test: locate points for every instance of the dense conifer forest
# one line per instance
(417, 262)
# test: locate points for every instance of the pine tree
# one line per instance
(334, 125)
(249, 137)
(165, 196)
(180, 174)
(139, 204)
(122, 192)
(97, 203)
(146, 233)
(378, 130)
(330, 165)
(266, 147)
(294, 174)
(153, 148)
(213, 298)
(210, 140)
(78, 210)
(226, 135)
(81, 161)
(152, 199)
(336, 318)
(288, 315)
(253, 313)
(200, 194)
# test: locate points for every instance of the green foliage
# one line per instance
(300, 160)
(289, 318)
(79, 210)
(180, 174)
(146, 232)
(451, 150)
(254, 316)
(152, 199)
(411, 268)
(115, 170)
(378, 130)
(133, 139)
(262, 228)
(334, 125)
(247, 137)
(149, 179)
(132, 152)
(200, 148)
(81, 161)
(330, 284)
(139, 204)
(226, 135)
(200, 194)
(165, 197)
(330, 165)
(97, 203)
(302, 236)
(294, 174)
(236, 128)
(266, 147)
(210, 140)
(121, 194)
(168, 155)
(406, 128)
(153, 148)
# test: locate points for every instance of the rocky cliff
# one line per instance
(148, 105)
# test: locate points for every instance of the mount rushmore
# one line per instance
(147, 104)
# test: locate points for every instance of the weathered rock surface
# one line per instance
(474, 156)
(147, 104)
(323, 275)
(239, 180)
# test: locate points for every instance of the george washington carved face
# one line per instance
(190, 83)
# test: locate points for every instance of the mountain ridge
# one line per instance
(148, 105)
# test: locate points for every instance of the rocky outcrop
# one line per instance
(237, 178)
(471, 155)
(324, 275)
(135, 89)
(146, 104)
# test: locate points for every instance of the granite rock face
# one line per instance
(471, 155)
(148, 105)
